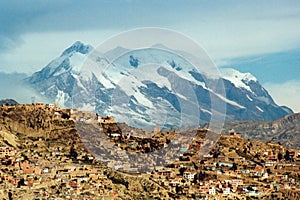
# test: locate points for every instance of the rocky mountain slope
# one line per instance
(285, 130)
(151, 87)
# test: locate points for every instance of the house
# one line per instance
(51, 106)
(4, 106)
(272, 158)
(237, 182)
(226, 191)
(115, 135)
(270, 163)
(224, 164)
(204, 189)
(163, 172)
(268, 152)
(234, 134)
(292, 167)
(7, 151)
(265, 175)
(212, 191)
(156, 129)
(39, 105)
(189, 175)
(24, 165)
(174, 182)
(67, 111)
(106, 119)
(259, 169)
(207, 156)
(293, 154)
(37, 170)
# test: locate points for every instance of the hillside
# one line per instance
(285, 130)
(43, 156)
(47, 140)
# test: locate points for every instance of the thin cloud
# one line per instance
(225, 30)
(12, 87)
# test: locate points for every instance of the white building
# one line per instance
(115, 135)
(226, 191)
(212, 191)
(188, 175)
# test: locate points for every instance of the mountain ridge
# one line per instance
(79, 78)
(285, 130)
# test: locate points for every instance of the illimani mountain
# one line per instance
(151, 86)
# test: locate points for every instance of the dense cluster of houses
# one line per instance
(6, 151)
(214, 174)
(237, 175)
(35, 105)
(39, 175)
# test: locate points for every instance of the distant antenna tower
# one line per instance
(32, 100)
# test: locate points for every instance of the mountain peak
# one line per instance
(78, 47)
(150, 91)
(116, 52)
(230, 73)
(160, 46)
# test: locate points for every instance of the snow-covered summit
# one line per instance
(239, 79)
(78, 47)
(151, 82)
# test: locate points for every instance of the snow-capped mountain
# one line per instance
(151, 87)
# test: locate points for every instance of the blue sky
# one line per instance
(257, 36)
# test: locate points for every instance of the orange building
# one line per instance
(106, 119)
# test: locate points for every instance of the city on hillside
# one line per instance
(43, 156)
